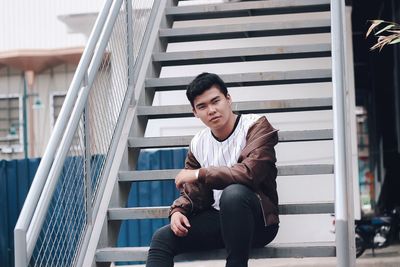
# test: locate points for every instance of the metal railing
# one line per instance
(62, 200)
(343, 214)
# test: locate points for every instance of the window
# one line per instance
(10, 124)
(57, 100)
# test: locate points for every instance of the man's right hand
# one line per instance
(179, 224)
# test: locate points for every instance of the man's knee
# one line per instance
(163, 235)
(234, 194)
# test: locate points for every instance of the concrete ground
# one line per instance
(387, 257)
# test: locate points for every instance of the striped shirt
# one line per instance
(209, 151)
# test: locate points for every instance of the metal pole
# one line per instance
(25, 120)
(131, 60)
(88, 171)
(20, 258)
(339, 83)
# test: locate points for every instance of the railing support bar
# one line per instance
(131, 60)
(88, 170)
(339, 85)
(21, 258)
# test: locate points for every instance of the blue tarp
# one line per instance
(156, 193)
(16, 177)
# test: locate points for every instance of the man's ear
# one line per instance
(228, 96)
(194, 112)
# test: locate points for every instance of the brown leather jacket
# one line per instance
(255, 168)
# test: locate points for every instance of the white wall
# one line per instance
(34, 24)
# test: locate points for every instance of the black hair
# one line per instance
(202, 83)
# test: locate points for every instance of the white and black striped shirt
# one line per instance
(209, 151)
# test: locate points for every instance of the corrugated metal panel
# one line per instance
(158, 193)
(15, 179)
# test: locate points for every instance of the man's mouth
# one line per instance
(214, 118)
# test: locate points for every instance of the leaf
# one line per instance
(374, 24)
(382, 41)
(395, 41)
(384, 29)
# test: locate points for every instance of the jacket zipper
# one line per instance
(262, 209)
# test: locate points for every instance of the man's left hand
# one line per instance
(185, 176)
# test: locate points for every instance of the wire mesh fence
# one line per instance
(70, 209)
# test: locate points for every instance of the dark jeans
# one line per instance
(238, 226)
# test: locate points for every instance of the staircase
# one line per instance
(295, 52)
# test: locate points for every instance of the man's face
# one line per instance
(213, 108)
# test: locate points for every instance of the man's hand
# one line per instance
(185, 176)
(179, 224)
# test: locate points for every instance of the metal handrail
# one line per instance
(32, 214)
(48, 190)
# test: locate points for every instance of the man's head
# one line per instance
(211, 103)
(202, 83)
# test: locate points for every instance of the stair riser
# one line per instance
(247, 79)
(252, 8)
(246, 34)
(270, 106)
(243, 54)
(184, 141)
(247, 13)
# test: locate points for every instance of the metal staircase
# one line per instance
(305, 18)
(298, 53)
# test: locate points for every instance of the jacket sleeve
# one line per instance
(194, 196)
(255, 164)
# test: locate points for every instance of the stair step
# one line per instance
(291, 105)
(311, 249)
(245, 9)
(169, 174)
(117, 214)
(184, 141)
(243, 54)
(311, 24)
(247, 79)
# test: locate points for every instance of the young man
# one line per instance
(228, 189)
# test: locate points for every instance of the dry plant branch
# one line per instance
(386, 32)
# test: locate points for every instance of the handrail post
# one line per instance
(339, 85)
(20, 255)
(129, 46)
(87, 158)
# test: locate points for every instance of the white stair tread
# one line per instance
(169, 174)
(313, 249)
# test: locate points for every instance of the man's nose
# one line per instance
(211, 109)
